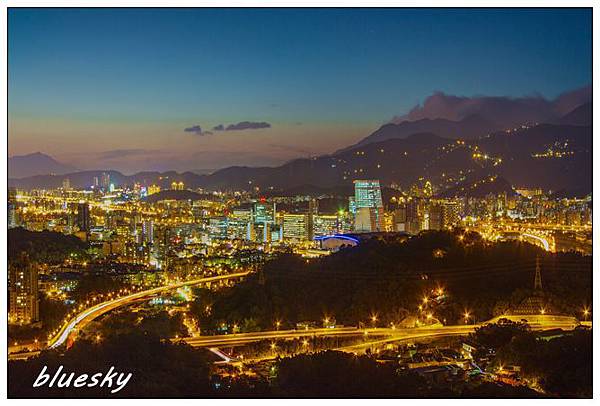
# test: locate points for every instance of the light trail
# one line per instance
(92, 313)
(536, 322)
(538, 238)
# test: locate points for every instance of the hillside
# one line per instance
(554, 157)
(21, 166)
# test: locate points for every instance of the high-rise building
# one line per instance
(413, 221)
(263, 212)
(12, 215)
(148, 231)
(217, 227)
(369, 206)
(12, 208)
(66, 184)
(325, 224)
(295, 227)
(443, 214)
(23, 292)
(105, 180)
(83, 216)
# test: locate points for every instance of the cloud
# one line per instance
(498, 109)
(243, 125)
(121, 153)
(197, 130)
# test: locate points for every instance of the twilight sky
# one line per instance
(143, 89)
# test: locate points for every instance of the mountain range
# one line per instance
(453, 154)
(21, 166)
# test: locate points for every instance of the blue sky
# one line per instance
(132, 79)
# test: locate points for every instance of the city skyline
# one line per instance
(282, 96)
(275, 203)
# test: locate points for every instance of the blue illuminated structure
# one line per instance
(340, 236)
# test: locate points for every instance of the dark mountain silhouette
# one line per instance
(520, 157)
(581, 115)
(21, 166)
(473, 126)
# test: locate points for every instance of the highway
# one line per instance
(85, 317)
(536, 322)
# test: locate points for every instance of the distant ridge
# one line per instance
(21, 166)
(519, 156)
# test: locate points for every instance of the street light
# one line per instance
(586, 313)
(542, 311)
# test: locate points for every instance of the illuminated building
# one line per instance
(443, 214)
(529, 192)
(239, 225)
(12, 208)
(263, 213)
(83, 216)
(413, 217)
(177, 185)
(105, 180)
(12, 216)
(325, 225)
(352, 205)
(217, 227)
(369, 206)
(23, 292)
(152, 189)
(148, 231)
(295, 227)
(66, 184)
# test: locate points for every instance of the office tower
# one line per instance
(325, 225)
(83, 216)
(400, 218)
(238, 222)
(263, 212)
(352, 205)
(66, 184)
(310, 216)
(96, 182)
(413, 223)
(105, 180)
(369, 206)
(436, 216)
(23, 291)
(12, 215)
(148, 231)
(217, 227)
(295, 227)
(12, 207)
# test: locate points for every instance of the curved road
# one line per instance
(88, 315)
